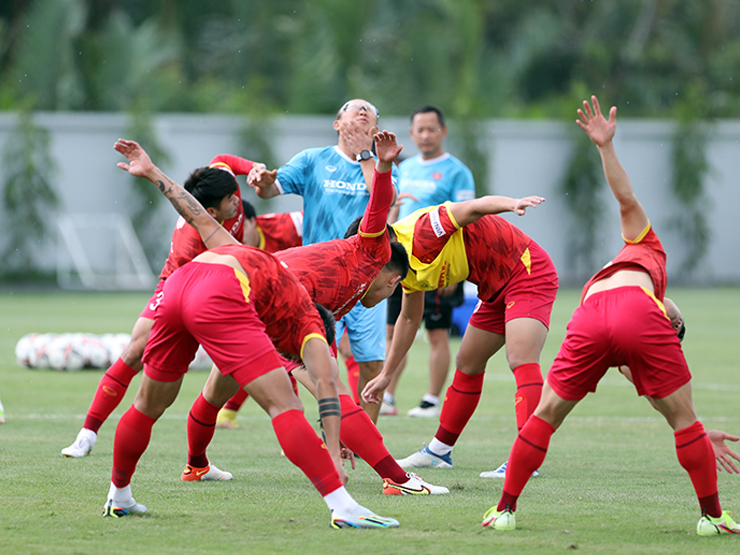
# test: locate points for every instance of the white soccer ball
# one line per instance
(38, 354)
(115, 343)
(66, 352)
(96, 354)
(23, 349)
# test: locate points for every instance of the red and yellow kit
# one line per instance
(441, 253)
(644, 254)
(282, 304)
(186, 241)
(280, 231)
(623, 326)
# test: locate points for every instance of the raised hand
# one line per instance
(600, 130)
(386, 146)
(140, 165)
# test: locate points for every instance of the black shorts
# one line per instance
(437, 310)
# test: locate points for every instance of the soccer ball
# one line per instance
(66, 352)
(38, 353)
(115, 343)
(94, 352)
(23, 349)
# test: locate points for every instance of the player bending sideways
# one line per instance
(517, 284)
(337, 274)
(621, 321)
(241, 304)
(214, 187)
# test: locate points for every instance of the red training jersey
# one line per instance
(282, 304)
(643, 254)
(280, 231)
(443, 253)
(337, 273)
(186, 242)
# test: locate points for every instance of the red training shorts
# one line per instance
(151, 306)
(206, 304)
(622, 326)
(529, 293)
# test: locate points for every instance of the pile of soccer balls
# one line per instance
(75, 351)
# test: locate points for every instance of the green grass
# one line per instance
(610, 484)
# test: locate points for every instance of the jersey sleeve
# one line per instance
(235, 164)
(463, 187)
(292, 177)
(376, 213)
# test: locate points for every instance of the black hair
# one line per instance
(681, 331)
(249, 211)
(399, 261)
(329, 322)
(427, 109)
(354, 228)
(210, 186)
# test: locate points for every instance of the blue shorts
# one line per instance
(366, 330)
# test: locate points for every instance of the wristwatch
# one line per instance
(364, 155)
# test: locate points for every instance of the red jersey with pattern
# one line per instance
(280, 231)
(484, 252)
(282, 304)
(337, 273)
(186, 242)
(644, 254)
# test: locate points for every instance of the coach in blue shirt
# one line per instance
(335, 183)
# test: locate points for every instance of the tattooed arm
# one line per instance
(140, 165)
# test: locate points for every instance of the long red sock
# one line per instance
(361, 436)
(696, 456)
(132, 438)
(459, 405)
(305, 450)
(528, 391)
(110, 392)
(201, 425)
(236, 402)
(527, 454)
(353, 377)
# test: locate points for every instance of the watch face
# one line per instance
(364, 155)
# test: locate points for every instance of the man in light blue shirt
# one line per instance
(428, 179)
(335, 183)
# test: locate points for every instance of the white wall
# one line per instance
(526, 157)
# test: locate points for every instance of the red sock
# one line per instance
(459, 405)
(132, 438)
(353, 377)
(528, 391)
(236, 402)
(361, 436)
(201, 425)
(110, 392)
(305, 450)
(696, 456)
(527, 454)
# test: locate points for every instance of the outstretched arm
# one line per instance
(412, 311)
(470, 211)
(381, 195)
(601, 131)
(140, 165)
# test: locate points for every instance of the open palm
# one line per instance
(599, 129)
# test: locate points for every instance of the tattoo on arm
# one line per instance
(329, 407)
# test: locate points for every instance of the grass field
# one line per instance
(611, 482)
